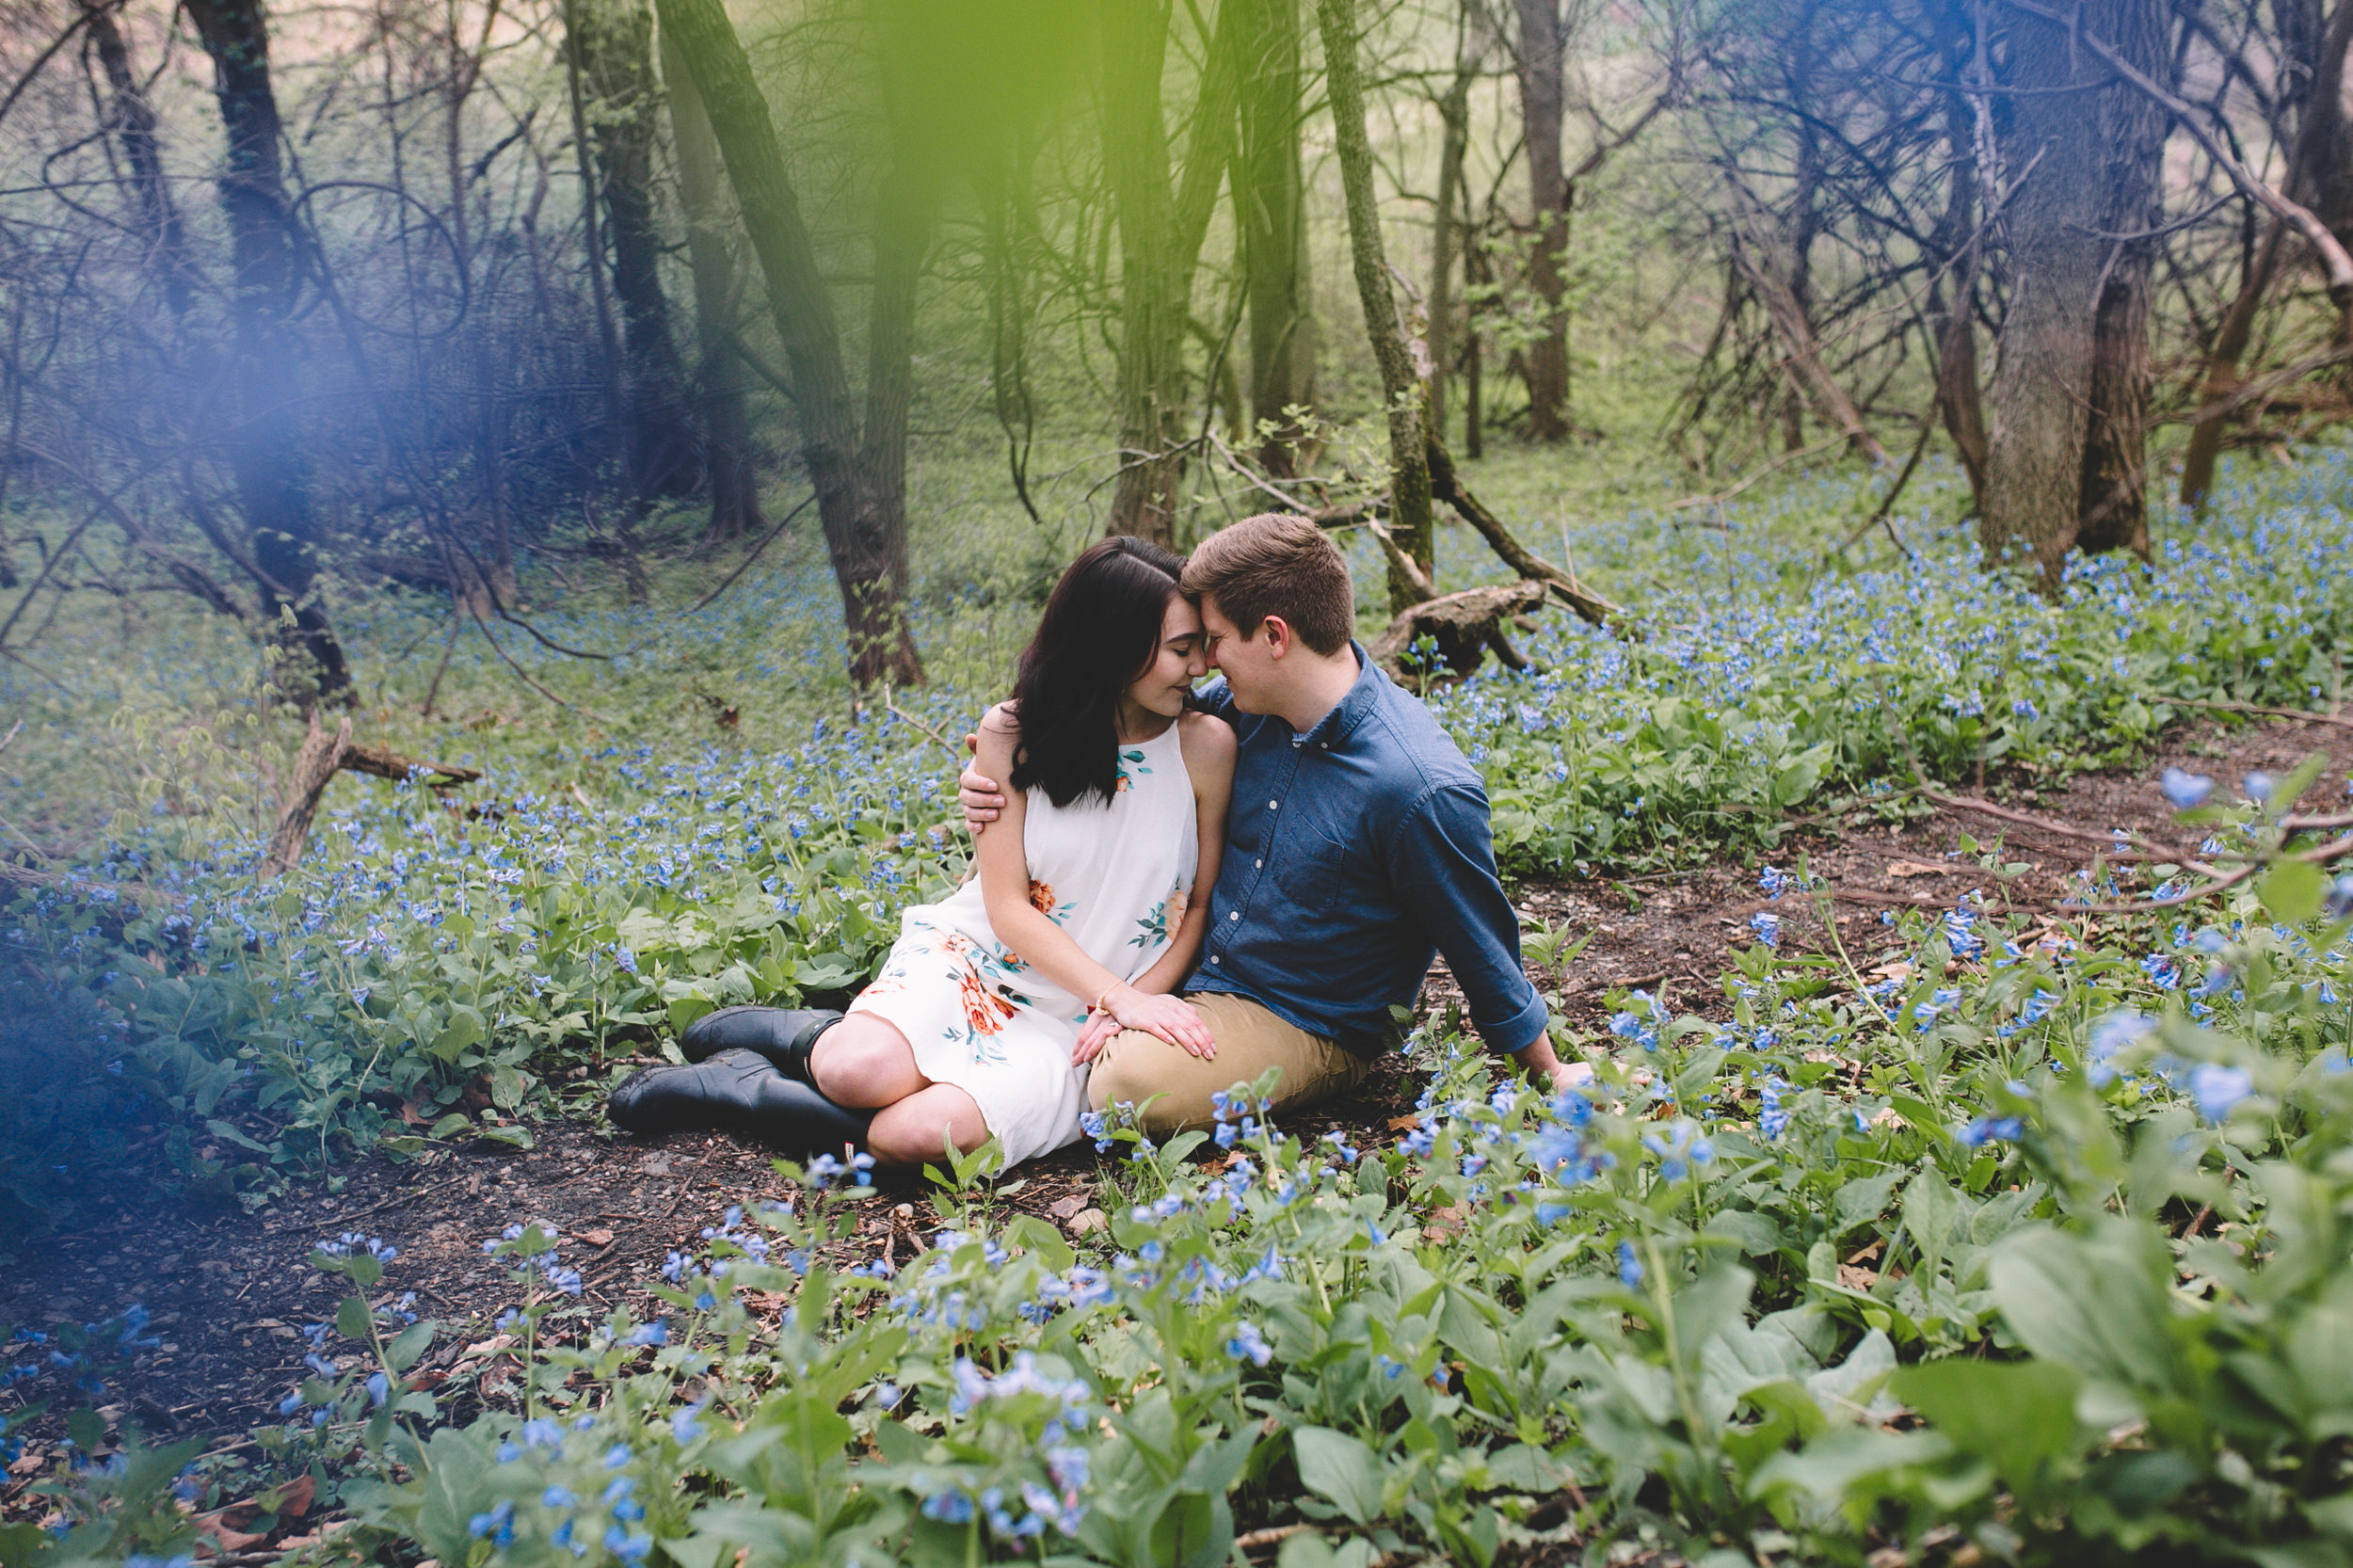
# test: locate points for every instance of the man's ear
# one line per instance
(1278, 636)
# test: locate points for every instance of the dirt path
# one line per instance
(230, 1292)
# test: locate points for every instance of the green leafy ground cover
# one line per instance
(2103, 1173)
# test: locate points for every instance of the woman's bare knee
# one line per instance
(916, 1130)
(863, 1061)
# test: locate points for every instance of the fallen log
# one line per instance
(321, 758)
(1463, 625)
(379, 762)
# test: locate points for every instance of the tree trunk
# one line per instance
(1445, 237)
(1150, 388)
(1476, 272)
(2068, 447)
(1159, 244)
(902, 232)
(1542, 45)
(133, 122)
(857, 536)
(1409, 456)
(2316, 178)
(728, 464)
(1805, 227)
(1810, 378)
(613, 42)
(1271, 211)
(264, 447)
(1955, 327)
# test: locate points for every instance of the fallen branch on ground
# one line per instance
(2259, 707)
(322, 758)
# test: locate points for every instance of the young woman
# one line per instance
(1080, 922)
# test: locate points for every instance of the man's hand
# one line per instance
(1547, 1070)
(976, 794)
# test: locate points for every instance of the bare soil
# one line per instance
(229, 1292)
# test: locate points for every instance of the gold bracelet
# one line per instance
(1105, 992)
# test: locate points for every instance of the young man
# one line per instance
(1358, 847)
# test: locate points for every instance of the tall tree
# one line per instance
(1446, 226)
(2314, 88)
(131, 119)
(1409, 441)
(2066, 457)
(860, 505)
(1162, 224)
(1543, 44)
(730, 470)
(1271, 211)
(610, 42)
(1955, 247)
(265, 443)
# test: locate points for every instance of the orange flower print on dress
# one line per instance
(984, 1011)
(1180, 900)
(1041, 896)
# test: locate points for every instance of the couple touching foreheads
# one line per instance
(1178, 889)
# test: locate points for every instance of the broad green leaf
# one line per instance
(2018, 1415)
(412, 1343)
(2098, 1303)
(2291, 892)
(1335, 1465)
(507, 1087)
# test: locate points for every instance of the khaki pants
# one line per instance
(1135, 1065)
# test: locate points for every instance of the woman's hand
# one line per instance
(1093, 1036)
(1163, 1014)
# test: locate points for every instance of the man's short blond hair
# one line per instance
(1277, 563)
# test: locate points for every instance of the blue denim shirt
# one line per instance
(1354, 853)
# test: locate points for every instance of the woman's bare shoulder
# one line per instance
(1207, 737)
(1000, 733)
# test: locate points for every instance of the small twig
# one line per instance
(1249, 1539)
(347, 1219)
(745, 565)
(2259, 707)
(523, 674)
(2063, 830)
(1885, 514)
(898, 712)
(11, 734)
(1781, 462)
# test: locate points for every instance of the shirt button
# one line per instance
(1274, 805)
(1213, 958)
(1260, 864)
(1233, 914)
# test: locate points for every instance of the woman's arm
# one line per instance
(1022, 928)
(1210, 746)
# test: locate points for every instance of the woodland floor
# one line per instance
(229, 1290)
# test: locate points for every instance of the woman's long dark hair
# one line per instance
(1101, 629)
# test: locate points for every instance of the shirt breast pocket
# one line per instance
(1317, 871)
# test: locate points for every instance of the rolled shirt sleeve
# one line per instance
(1442, 863)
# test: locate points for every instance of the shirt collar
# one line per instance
(1356, 707)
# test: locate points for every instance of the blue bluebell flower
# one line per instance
(2184, 791)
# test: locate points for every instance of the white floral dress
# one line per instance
(1115, 877)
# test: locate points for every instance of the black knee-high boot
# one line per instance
(739, 1090)
(784, 1035)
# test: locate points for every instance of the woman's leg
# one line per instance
(909, 1131)
(864, 1061)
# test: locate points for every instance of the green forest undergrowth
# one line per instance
(1998, 1241)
